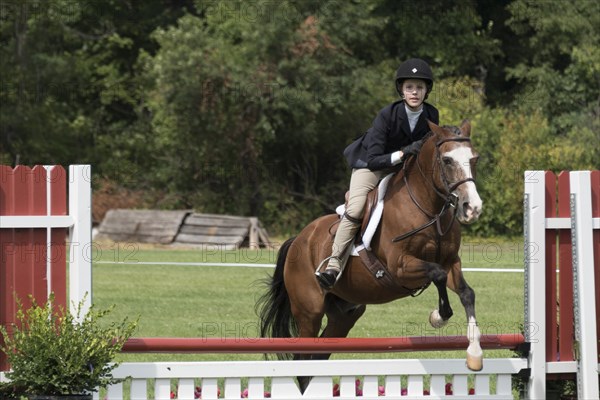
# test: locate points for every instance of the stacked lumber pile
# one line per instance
(183, 228)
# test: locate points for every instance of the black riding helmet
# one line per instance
(415, 68)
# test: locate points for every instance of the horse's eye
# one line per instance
(447, 160)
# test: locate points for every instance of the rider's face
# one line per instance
(414, 91)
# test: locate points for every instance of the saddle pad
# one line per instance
(375, 216)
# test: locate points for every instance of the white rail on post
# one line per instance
(80, 259)
(583, 285)
(535, 280)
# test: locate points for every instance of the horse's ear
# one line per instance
(435, 128)
(465, 128)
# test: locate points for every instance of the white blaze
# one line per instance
(468, 192)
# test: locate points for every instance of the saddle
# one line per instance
(375, 267)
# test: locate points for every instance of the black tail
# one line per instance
(273, 308)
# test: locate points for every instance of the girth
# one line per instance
(383, 276)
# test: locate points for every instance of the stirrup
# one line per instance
(325, 260)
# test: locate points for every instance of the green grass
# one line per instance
(212, 301)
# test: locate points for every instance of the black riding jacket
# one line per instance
(389, 132)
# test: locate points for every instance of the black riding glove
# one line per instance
(411, 149)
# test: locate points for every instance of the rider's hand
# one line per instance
(412, 148)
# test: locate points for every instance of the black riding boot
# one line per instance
(327, 278)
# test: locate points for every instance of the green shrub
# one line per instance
(53, 352)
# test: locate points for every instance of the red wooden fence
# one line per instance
(559, 266)
(32, 260)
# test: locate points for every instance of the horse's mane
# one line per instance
(451, 128)
(426, 137)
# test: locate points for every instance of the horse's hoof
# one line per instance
(475, 360)
(436, 320)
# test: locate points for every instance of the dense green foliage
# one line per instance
(244, 107)
(58, 353)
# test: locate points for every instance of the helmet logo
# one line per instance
(414, 70)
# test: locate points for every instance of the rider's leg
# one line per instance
(361, 183)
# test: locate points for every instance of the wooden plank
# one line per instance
(124, 237)
(145, 215)
(213, 230)
(58, 258)
(202, 220)
(565, 282)
(551, 265)
(220, 216)
(253, 242)
(200, 239)
(8, 246)
(38, 202)
(141, 228)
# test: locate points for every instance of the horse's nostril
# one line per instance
(467, 209)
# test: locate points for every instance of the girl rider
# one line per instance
(392, 136)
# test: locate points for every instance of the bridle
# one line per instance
(450, 199)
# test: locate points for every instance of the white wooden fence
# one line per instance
(380, 379)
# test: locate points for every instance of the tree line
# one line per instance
(244, 107)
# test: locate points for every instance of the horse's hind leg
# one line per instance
(307, 327)
(308, 317)
(458, 284)
(341, 317)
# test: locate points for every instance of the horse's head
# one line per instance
(456, 160)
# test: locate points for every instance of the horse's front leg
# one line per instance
(438, 318)
(458, 284)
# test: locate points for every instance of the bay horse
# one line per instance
(417, 240)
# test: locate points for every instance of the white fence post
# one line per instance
(535, 281)
(583, 285)
(80, 260)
